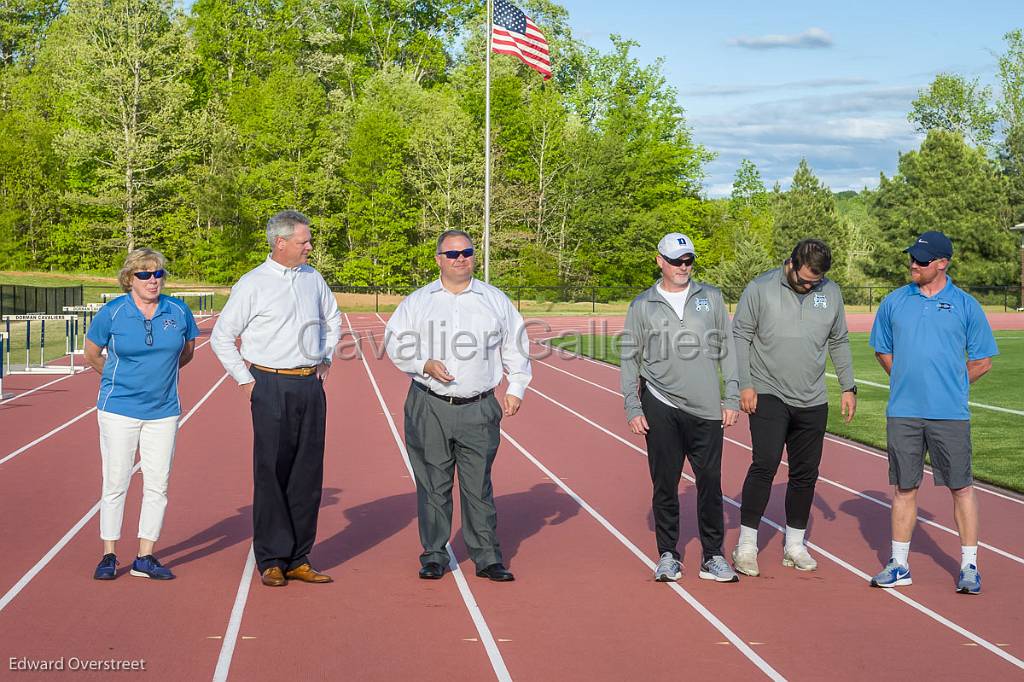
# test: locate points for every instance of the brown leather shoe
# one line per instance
(273, 577)
(308, 574)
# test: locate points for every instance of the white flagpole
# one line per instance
(487, 149)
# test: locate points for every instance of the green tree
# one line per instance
(950, 186)
(121, 67)
(957, 105)
(807, 209)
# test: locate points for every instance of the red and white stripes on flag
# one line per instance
(513, 33)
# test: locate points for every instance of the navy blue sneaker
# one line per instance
(148, 567)
(969, 581)
(107, 569)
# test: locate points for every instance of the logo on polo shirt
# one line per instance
(169, 323)
(703, 305)
(820, 301)
(945, 306)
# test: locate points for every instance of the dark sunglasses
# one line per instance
(143, 275)
(452, 255)
(806, 282)
(149, 326)
(676, 262)
(922, 263)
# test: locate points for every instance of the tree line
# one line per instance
(132, 122)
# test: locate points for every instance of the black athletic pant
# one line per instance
(802, 431)
(672, 435)
(288, 423)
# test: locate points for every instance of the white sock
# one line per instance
(900, 552)
(748, 536)
(968, 555)
(795, 536)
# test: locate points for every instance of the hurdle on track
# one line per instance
(204, 300)
(41, 368)
(3, 344)
(83, 319)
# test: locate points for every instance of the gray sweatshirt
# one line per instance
(781, 338)
(680, 358)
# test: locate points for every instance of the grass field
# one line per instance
(998, 456)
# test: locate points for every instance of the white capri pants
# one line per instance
(120, 436)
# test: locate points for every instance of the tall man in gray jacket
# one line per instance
(676, 339)
(785, 321)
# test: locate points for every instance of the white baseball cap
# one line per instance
(675, 245)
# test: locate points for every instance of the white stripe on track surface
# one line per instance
(705, 613)
(486, 638)
(838, 441)
(60, 428)
(921, 608)
(41, 564)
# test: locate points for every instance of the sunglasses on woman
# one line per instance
(452, 255)
(143, 275)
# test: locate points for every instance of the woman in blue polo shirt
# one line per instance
(148, 337)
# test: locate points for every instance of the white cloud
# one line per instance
(846, 137)
(812, 38)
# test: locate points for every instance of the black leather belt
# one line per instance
(451, 399)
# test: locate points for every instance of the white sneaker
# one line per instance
(799, 558)
(744, 558)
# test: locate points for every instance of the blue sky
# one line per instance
(829, 81)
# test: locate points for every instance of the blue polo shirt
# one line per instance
(141, 380)
(931, 340)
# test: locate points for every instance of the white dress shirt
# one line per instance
(475, 333)
(287, 317)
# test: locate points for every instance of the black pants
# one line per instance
(673, 435)
(802, 431)
(289, 416)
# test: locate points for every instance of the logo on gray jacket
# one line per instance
(820, 301)
(703, 305)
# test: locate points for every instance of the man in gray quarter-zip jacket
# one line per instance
(785, 321)
(676, 339)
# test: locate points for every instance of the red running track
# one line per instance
(572, 492)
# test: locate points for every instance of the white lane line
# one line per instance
(994, 408)
(921, 519)
(41, 564)
(490, 646)
(60, 428)
(847, 444)
(43, 437)
(82, 371)
(227, 647)
(737, 641)
(864, 576)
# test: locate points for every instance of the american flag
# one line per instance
(513, 33)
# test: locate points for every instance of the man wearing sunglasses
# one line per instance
(786, 321)
(288, 320)
(675, 341)
(921, 335)
(453, 338)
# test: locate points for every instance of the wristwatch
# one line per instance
(852, 389)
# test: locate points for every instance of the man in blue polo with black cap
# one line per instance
(922, 334)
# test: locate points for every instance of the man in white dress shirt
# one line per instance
(289, 323)
(454, 337)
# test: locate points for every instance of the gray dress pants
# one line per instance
(441, 439)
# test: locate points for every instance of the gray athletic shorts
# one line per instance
(948, 441)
